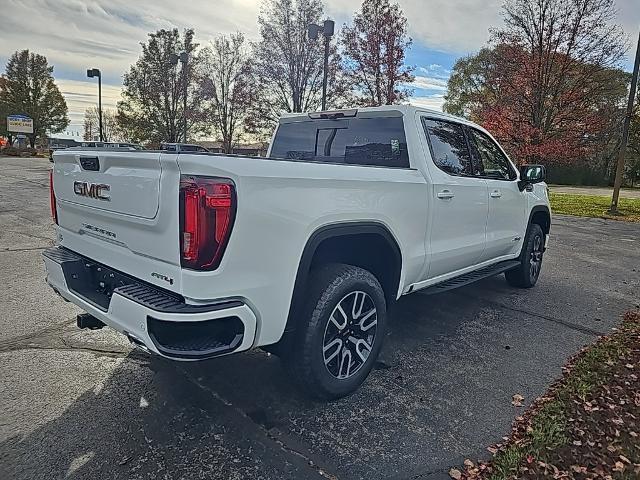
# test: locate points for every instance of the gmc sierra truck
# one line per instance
(197, 255)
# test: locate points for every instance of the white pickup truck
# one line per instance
(197, 255)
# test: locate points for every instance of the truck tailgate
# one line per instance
(121, 209)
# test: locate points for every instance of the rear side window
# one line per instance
(493, 162)
(449, 147)
(376, 141)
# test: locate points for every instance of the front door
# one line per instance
(459, 199)
(507, 204)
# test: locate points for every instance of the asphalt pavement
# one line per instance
(83, 405)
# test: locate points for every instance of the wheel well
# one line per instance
(367, 245)
(542, 218)
(370, 251)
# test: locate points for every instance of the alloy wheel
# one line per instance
(350, 334)
(535, 258)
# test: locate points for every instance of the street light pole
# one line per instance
(91, 73)
(625, 134)
(327, 30)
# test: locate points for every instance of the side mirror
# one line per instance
(530, 174)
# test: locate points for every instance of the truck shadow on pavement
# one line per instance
(440, 392)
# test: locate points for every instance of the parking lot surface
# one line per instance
(83, 405)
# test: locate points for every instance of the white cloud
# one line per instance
(433, 102)
(76, 34)
(429, 83)
(456, 26)
(462, 26)
(435, 70)
(106, 34)
(81, 95)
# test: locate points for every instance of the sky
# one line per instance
(78, 34)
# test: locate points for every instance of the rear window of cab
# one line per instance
(376, 141)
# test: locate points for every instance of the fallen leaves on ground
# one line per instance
(586, 425)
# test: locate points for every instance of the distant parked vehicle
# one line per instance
(53, 149)
(122, 145)
(183, 148)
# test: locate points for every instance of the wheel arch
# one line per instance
(321, 248)
(540, 215)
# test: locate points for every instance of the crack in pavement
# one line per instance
(564, 323)
(25, 249)
(32, 235)
(323, 472)
(22, 179)
(50, 338)
(37, 334)
(97, 351)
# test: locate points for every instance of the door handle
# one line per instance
(495, 194)
(444, 194)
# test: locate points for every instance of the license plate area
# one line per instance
(93, 282)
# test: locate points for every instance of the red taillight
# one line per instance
(207, 211)
(52, 198)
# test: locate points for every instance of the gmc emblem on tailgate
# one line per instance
(92, 190)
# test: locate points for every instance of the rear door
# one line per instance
(459, 199)
(507, 204)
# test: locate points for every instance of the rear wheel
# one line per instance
(527, 273)
(340, 332)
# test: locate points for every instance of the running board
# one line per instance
(471, 277)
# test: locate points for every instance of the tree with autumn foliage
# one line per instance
(288, 65)
(28, 88)
(152, 105)
(374, 49)
(226, 87)
(111, 131)
(540, 87)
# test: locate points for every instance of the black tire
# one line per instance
(527, 273)
(331, 288)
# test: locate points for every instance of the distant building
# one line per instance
(53, 142)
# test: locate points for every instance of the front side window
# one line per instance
(493, 163)
(449, 147)
(378, 141)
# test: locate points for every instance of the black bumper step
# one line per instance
(166, 302)
(96, 283)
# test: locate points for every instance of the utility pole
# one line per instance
(625, 134)
(327, 29)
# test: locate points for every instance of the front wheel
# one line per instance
(340, 332)
(527, 273)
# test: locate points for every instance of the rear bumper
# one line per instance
(148, 316)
